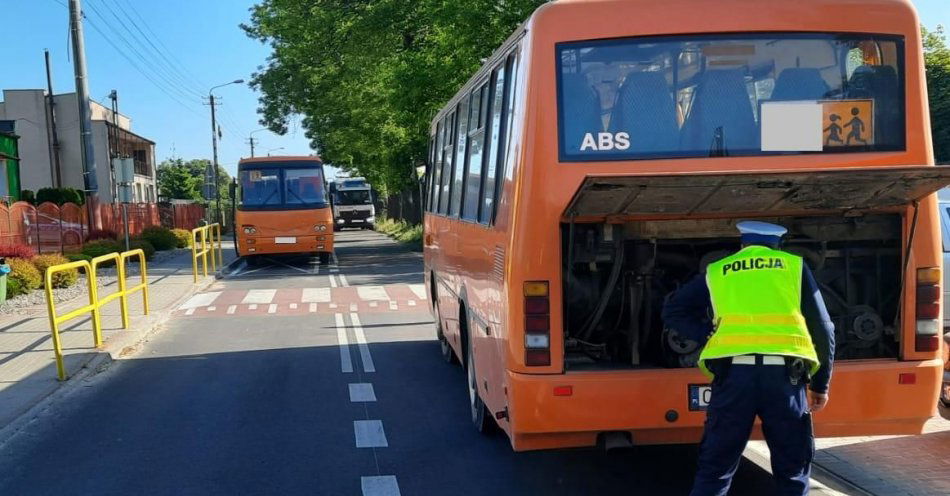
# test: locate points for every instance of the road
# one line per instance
(248, 391)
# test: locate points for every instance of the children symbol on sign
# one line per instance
(857, 128)
(834, 130)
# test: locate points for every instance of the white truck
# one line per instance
(352, 203)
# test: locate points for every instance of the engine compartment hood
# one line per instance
(692, 194)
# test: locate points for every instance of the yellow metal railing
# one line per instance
(208, 236)
(95, 303)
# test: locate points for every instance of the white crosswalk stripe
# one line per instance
(259, 296)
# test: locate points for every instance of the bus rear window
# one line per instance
(730, 95)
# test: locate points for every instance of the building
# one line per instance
(50, 154)
(9, 163)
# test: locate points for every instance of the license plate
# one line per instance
(285, 240)
(356, 220)
(699, 397)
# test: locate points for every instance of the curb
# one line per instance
(122, 345)
(824, 481)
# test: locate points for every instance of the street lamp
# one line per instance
(250, 139)
(214, 148)
(274, 150)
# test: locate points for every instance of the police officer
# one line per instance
(772, 335)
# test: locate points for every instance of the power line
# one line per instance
(167, 50)
(139, 69)
(181, 76)
(171, 57)
(158, 72)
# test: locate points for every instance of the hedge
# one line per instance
(161, 238)
(61, 279)
(24, 272)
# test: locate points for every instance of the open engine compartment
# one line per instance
(617, 277)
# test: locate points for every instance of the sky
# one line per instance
(202, 45)
(182, 48)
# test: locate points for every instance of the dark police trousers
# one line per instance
(738, 396)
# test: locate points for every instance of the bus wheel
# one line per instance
(324, 258)
(478, 410)
(447, 354)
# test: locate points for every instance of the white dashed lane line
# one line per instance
(368, 365)
(346, 362)
(343, 281)
(259, 296)
(369, 434)
(333, 283)
(380, 485)
(362, 392)
(232, 309)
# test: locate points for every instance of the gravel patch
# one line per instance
(35, 301)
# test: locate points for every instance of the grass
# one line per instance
(401, 231)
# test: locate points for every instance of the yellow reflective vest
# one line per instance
(756, 300)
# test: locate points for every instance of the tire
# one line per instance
(477, 408)
(446, 349)
(324, 258)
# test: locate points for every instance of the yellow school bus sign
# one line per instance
(847, 123)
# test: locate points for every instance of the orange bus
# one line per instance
(601, 158)
(283, 208)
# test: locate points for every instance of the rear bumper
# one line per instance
(652, 405)
(268, 246)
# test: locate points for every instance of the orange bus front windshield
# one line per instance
(727, 95)
(288, 186)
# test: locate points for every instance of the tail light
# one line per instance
(927, 335)
(537, 324)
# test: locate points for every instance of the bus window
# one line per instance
(459, 172)
(260, 188)
(447, 163)
(719, 95)
(304, 186)
(488, 189)
(476, 146)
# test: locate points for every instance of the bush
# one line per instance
(62, 279)
(183, 238)
(102, 234)
(161, 238)
(400, 230)
(59, 196)
(75, 257)
(100, 247)
(25, 273)
(18, 250)
(14, 288)
(145, 245)
(28, 196)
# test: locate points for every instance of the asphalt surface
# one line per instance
(259, 402)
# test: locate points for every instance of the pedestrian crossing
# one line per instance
(301, 301)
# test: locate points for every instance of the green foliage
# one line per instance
(59, 196)
(24, 272)
(14, 288)
(937, 60)
(99, 247)
(182, 238)
(145, 245)
(401, 230)
(161, 238)
(75, 257)
(28, 196)
(62, 279)
(182, 180)
(369, 76)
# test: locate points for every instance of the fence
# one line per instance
(95, 302)
(405, 205)
(206, 237)
(50, 228)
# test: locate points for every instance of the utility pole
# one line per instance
(252, 141)
(52, 136)
(213, 173)
(114, 144)
(85, 121)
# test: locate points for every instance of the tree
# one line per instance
(937, 60)
(183, 180)
(369, 75)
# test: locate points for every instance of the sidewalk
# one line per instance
(883, 465)
(27, 363)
